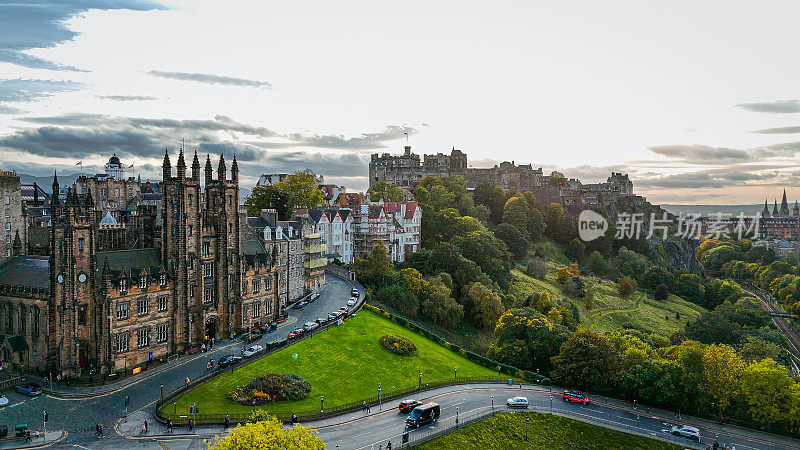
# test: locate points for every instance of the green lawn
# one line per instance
(507, 431)
(344, 364)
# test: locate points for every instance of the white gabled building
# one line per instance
(396, 224)
(335, 227)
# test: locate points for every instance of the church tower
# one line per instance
(765, 213)
(784, 205)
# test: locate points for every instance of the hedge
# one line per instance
(474, 357)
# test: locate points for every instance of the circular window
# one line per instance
(82, 278)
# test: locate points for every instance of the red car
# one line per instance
(575, 397)
(295, 333)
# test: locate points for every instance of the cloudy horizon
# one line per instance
(692, 100)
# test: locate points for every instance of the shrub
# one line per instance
(271, 387)
(626, 286)
(628, 325)
(398, 345)
(537, 268)
(570, 271)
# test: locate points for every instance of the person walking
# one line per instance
(364, 406)
(97, 429)
(389, 445)
(203, 347)
(27, 436)
(146, 427)
(227, 421)
(212, 343)
(169, 426)
(187, 381)
(102, 434)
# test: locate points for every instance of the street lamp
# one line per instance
(321, 403)
(551, 402)
(380, 398)
(420, 380)
(493, 405)
(456, 415)
(455, 372)
(162, 391)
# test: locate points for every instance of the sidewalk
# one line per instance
(61, 391)
(15, 442)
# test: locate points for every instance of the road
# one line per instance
(360, 432)
(79, 416)
(792, 336)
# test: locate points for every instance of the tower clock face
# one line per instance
(60, 278)
(82, 278)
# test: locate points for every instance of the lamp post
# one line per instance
(162, 391)
(321, 403)
(455, 372)
(526, 427)
(380, 398)
(551, 402)
(175, 407)
(493, 405)
(456, 415)
(420, 380)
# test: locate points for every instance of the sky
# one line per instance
(697, 101)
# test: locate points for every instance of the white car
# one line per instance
(352, 302)
(252, 351)
(517, 402)
(3, 400)
(308, 326)
(686, 431)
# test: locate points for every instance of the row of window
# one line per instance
(142, 307)
(22, 319)
(255, 310)
(122, 340)
(256, 285)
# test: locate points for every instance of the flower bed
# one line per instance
(398, 345)
(271, 387)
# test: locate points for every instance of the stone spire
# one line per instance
(765, 213)
(784, 205)
(221, 169)
(209, 170)
(167, 166)
(234, 170)
(54, 198)
(181, 166)
(195, 167)
(775, 212)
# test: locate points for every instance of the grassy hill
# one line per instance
(507, 431)
(344, 364)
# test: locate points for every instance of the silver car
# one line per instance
(517, 402)
(252, 351)
(3, 400)
(686, 431)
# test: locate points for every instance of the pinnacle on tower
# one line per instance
(167, 166)
(195, 167)
(234, 169)
(54, 198)
(209, 170)
(221, 169)
(181, 166)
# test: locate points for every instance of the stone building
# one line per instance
(114, 294)
(14, 238)
(407, 169)
(396, 224)
(335, 226)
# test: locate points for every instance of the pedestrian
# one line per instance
(389, 445)
(369, 407)
(101, 431)
(364, 406)
(146, 428)
(208, 366)
(190, 424)
(169, 426)
(187, 381)
(97, 429)
(203, 347)
(371, 446)
(212, 343)
(36, 434)
(27, 436)
(227, 421)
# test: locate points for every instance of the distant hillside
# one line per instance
(46, 182)
(734, 210)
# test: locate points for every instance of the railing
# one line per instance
(305, 416)
(7, 384)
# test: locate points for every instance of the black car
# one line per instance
(406, 406)
(229, 360)
(423, 415)
(300, 305)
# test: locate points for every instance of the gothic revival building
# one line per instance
(116, 294)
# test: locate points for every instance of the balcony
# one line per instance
(316, 248)
(315, 263)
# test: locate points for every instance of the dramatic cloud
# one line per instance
(210, 79)
(776, 107)
(20, 90)
(779, 130)
(126, 98)
(705, 179)
(702, 153)
(42, 24)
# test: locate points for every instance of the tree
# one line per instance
(690, 288)
(488, 252)
(492, 197)
(270, 435)
(301, 190)
(268, 197)
(596, 264)
(514, 239)
(516, 212)
(537, 268)
(769, 393)
(437, 305)
(399, 297)
(557, 179)
(722, 371)
(632, 263)
(527, 340)
(587, 360)
(662, 292)
(655, 276)
(625, 286)
(791, 258)
(376, 266)
(486, 306)
(387, 192)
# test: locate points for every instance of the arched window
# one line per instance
(10, 319)
(35, 319)
(22, 319)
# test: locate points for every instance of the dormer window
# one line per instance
(143, 282)
(162, 279)
(122, 286)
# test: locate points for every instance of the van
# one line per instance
(423, 415)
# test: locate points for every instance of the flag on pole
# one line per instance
(79, 163)
(131, 166)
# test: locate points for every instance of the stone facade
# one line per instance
(396, 224)
(14, 239)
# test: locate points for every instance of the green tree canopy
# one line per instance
(269, 435)
(387, 192)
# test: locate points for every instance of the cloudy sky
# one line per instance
(699, 101)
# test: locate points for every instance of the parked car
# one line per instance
(686, 431)
(352, 302)
(313, 297)
(344, 310)
(575, 397)
(423, 415)
(300, 305)
(252, 351)
(354, 292)
(3, 400)
(308, 326)
(517, 402)
(229, 360)
(406, 406)
(29, 389)
(321, 320)
(297, 332)
(334, 315)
